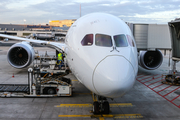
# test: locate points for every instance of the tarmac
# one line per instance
(149, 99)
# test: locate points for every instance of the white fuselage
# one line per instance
(105, 69)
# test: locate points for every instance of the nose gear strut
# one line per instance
(101, 106)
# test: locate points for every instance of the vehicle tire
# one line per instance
(96, 108)
(49, 90)
(106, 107)
(169, 78)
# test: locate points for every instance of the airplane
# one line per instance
(100, 51)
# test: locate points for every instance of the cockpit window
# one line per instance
(103, 40)
(120, 41)
(130, 40)
(87, 40)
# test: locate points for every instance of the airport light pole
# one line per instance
(24, 23)
(80, 10)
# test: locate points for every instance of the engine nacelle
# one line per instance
(20, 55)
(150, 59)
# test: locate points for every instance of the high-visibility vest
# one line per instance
(60, 56)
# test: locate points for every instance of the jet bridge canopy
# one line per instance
(174, 27)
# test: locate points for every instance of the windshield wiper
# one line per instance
(116, 49)
(113, 49)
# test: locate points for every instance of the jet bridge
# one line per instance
(151, 36)
(174, 76)
(174, 27)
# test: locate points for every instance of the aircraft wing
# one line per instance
(56, 45)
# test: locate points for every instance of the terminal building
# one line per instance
(55, 27)
(21, 27)
(62, 23)
(21, 30)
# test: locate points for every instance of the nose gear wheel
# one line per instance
(101, 106)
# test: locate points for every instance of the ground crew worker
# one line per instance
(60, 60)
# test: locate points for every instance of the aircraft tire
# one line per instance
(106, 107)
(96, 107)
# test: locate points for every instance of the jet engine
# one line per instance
(150, 60)
(20, 55)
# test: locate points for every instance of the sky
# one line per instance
(42, 11)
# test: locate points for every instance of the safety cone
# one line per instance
(13, 75)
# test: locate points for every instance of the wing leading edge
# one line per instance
(58, 46)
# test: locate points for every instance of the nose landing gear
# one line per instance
(101, 106)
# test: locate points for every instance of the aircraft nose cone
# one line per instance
(113, 76)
